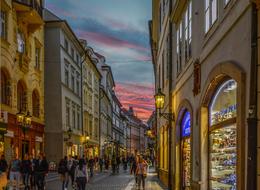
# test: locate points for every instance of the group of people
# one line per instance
(31, 171)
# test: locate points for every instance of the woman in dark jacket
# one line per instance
(26, 170)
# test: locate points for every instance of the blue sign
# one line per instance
(185, 125)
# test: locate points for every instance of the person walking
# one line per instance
(124, 160)
(101, 161)
(118, 161)
(33, 179)
(15, 169)
(141, 172)
(26, 170)
(133, 166)
(64, 172)
(81, 175)
(3, 174)
(41, 168)
(91, 163)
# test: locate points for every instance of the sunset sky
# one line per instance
(117, 29)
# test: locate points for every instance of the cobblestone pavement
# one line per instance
(107, 181)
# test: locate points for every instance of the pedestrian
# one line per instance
(106, 163)
(113, 163)
(124, 160)
(41, 168)
(81, 175)
(91, 163)
(118, 161)
(3, 172)
(15, 169)
(33, 179)
(141, 172)
(133, 166)
(26, 169)
(64, 172)
(101, 161)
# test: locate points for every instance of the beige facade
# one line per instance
(91, 103)
(211, 47)
(22, 76)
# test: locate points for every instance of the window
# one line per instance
(20, 42)
(66, 45)
(73, 116)
(90, 126)
(211, 9)
(78, 118)
(37, 58)
(5, 88)
(226, 2)
(67, 76)
(163, 65)
(67, 113)
(179, 47)
(77, 58)
(72, 53)
(72, 79)
(35, 104)
(188, 31)
(3, 29)
(77, 87)
(21, 97)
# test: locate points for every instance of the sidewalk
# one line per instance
(152, 182)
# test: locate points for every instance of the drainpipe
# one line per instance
(252, 117)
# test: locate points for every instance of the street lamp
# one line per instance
(24, 121)
(159, 103)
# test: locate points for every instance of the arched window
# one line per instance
(21, 97)
(5, 88)
(35, 104)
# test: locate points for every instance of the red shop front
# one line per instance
(16, 141)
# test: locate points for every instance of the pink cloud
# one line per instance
(139, 96)
(109, 40)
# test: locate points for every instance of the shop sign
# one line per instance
(224, 114)
(186, 127)
(38, 139)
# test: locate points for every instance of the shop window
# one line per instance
(211, 13)
(223, 137)
(186, 150)
(5, 88)
(3, 28)
(36, 103)
(21, 97)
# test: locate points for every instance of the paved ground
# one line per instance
(107, 181)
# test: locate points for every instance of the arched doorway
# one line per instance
(222, 137)
(185, 152)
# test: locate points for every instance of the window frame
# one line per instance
(208, 9)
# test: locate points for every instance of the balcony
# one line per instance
(29, 11)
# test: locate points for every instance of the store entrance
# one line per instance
(25, 148)
(186, 151)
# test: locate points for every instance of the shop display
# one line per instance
(186, 151)
(186, 163)
(222, 158)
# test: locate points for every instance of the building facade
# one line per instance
(63, 55)
(22, 78)
(210, 91)
(91, 98)
(106, 110)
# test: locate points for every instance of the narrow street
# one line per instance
(107, 181)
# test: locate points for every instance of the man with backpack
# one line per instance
(41, 168)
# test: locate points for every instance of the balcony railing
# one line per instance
(37, 5)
